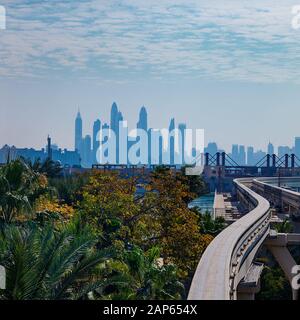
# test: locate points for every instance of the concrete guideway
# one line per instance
(227, 260)
(219, 209)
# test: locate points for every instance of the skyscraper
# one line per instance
(143, 119)
(235, 153)
(182, 128)
(78, 133)
(172, 142)
(250, 156)
(297, 146)
(87, 152)
(270, 148)
(114, 115)
(49, 149)
(96, 143)
(242, 156)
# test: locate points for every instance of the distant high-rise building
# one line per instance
(182, 128)
(120, 118)
(172, 125)
(172, 142)
(114, 115)
(250, 156)
(78, 133)
(52, 151)
(143, 119)
(270, 148)
(49, 149)
(242, 156)
(96, 143)
(235, 153)
(87, 152)
(297, 146)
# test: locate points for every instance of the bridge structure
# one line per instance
(227, 269)
(220, 169)
(267, 166)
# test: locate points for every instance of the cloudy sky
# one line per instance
(231, 67)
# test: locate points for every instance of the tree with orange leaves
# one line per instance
(158, 217)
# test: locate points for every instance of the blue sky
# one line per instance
(231, 67)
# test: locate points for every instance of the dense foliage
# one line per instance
(98, 235)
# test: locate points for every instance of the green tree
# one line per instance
(19, 188)
(47, 167)
(45, 264)
(142, 276)
(211, 226)
(284, 227)
(274, 285)
(196, 184)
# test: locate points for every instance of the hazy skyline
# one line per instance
(231, 68)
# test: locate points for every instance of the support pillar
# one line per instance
(277, 244)
(250, 285)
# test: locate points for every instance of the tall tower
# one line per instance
(182, 128)
(96, 143)
(270, 148)
(114, 115)
(242, 155)
(235, 153)
(49, 149)
(172, 142)
(78, 132)
(143, 119)
(87, 151)
(250, 156)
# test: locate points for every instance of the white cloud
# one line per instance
(233, 39)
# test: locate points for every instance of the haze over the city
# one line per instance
(232, 68)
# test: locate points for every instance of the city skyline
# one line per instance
(87, 143)
(239, 152)
(89, 131)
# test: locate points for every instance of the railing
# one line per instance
(229, 256)
(262, 183)
(278, 195)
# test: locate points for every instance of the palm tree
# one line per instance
(48, 264)
(20, 186)
(48, 167)
(211, 226)
(142, 276)
(15, 185)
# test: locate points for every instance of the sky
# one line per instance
(231, 67)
